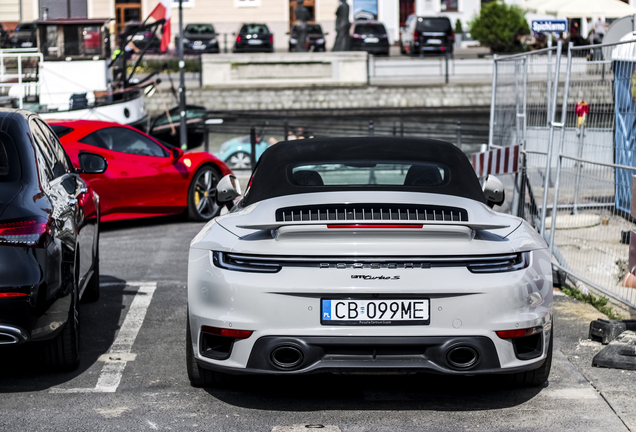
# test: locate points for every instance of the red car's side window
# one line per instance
(124, 140)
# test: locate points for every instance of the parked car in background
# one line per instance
(369, 36)
(423, 35)
(145, 178)
(315, 38)
(237, 152)
(49, 231)
(254, 38)
(24, 36)
(144, 38)
(199, 38)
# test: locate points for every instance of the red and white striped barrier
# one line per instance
(497, 161)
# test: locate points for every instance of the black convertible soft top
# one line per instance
(274, 169)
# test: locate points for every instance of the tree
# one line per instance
(458, 27)
(499, 26)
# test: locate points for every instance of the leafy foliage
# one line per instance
(499, 26)
(599, 303)
(458, 27)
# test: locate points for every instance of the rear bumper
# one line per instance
(373, 355)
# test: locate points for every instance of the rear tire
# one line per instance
(91, 293)
(535, 377)
(62, 352)
(198, 376)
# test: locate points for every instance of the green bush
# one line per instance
(458, 27)
(499, 26)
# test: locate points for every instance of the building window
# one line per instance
(449, 5)
(247, 3)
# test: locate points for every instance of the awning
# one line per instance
(580, 8)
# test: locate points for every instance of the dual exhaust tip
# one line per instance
(288, 357)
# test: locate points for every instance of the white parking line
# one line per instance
(304, 428)
(119, 353)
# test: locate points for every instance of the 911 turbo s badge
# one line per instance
(369, 277)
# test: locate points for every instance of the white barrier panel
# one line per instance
(498, 161)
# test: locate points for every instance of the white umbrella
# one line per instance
(581, 8)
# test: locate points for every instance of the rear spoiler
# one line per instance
(375, 224)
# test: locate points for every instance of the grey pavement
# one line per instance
(153, 392)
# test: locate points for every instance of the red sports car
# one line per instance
(145, 177)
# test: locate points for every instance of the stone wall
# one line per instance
(308, 98)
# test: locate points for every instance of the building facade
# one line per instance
(228, 15)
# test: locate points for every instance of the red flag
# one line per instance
(163, 11)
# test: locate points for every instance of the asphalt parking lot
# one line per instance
(132, 375)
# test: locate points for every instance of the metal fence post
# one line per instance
(446, 67)
(522, 188)
(225, 43)
(200, 71)
(546, 183)
(579, 168)
(564, 113)
(371, 128)
(20, 80)
(549, 83)
(491, 129)
(525, 101)
(206, 144)
(368, 69)
(286, 127)
(459, 133)
(253, 147)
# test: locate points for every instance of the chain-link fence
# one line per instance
(580, 166)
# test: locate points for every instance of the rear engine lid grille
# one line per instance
(371, 212)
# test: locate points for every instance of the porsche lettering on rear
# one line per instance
(369, 277)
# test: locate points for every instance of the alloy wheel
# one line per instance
(205, 193)
(239, 161)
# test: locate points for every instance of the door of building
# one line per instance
(309, 4)
(407, 7)
(125, 12)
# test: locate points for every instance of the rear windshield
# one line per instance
(433, 24)
(9, 161)
(254, 28)
(311, 28)
(376, 29)
(60, 131)
(200, 28)
(372, 174)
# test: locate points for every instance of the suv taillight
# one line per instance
(452, 36)
(271, 38)
(415, 35)
(24, 232)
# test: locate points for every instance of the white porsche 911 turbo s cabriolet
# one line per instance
(367, 255)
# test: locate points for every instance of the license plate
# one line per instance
(198, 47)
(27, 44)
(375, 312)
(372, 40)
(254, 42)
(434, 41)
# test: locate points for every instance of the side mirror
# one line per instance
(227, 189)
(494, 191)
(91, 163)
(176, 153)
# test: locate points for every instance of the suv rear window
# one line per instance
(433, 25)
(199, 28)
(375, 29)
(254, 28)
(9, 161)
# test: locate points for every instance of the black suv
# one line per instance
(427, 35)
(254, 38)
(315, 38)
(369, 36)
(200, 38)
(24, 36)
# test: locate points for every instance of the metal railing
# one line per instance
(15, 75)
(575, 183)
